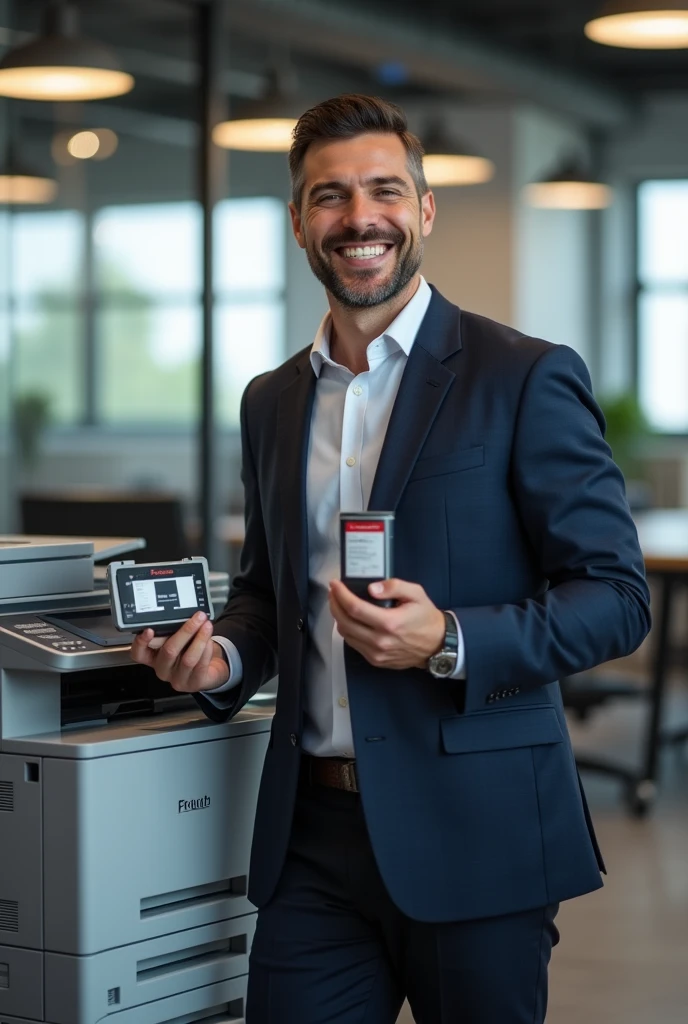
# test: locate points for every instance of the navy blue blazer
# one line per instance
(511, 512)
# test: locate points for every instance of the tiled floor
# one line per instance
(623, 955)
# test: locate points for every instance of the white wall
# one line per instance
(469, 254)
(551, 247)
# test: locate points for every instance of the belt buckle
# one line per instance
(348, 773)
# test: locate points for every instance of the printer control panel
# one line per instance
(47, 635)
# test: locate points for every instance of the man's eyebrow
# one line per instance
(392, 179)
(321, 185)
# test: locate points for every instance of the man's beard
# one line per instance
(407, 265)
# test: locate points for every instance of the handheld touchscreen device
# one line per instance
(366, 551)
(158, 595)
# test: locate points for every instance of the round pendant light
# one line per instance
(448, 162)
(265, 125)
(22, 186)
(256, 134)
(569, 188)
(61, 65)
(641, 24)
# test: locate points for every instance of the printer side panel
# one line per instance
(21, 860)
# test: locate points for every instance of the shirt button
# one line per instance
(351, 461)
(343, 702)
(300, 625)
(358, 390)
(293, 739)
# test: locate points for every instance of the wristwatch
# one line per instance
(443, 664)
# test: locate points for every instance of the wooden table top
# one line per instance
(663, 535)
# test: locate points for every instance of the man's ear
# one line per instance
(296, 225)
(427, 212)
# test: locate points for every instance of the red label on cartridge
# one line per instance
(364, 554)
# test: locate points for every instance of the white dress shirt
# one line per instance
(348, 427)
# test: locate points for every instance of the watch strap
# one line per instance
(451, 634)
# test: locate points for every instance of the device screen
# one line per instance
(158, 593)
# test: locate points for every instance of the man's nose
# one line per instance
(360, 214)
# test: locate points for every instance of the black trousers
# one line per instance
(332, 948)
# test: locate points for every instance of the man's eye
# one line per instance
(387, 192)
(330, 197)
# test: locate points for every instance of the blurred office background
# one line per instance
(147, 274)
(101, 336)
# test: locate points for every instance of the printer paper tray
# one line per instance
(222, 1003)
(121, 983)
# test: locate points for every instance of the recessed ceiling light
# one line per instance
(641, 24)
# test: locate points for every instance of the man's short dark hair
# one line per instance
(345, 117)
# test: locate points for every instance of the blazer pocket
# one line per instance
(500, 730)
(440, 465)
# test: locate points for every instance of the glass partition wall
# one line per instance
(102, 294)
(7, 475)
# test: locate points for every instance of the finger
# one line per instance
(199, 676)
(190, 657)
(397, 590)
(358, 632)
(175, 644)
(345, 622)
(183, 668)
(140, 651)
(374, 656)
(354, 607)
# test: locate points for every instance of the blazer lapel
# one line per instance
(293, 432)
(423, 388)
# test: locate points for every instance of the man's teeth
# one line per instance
(365, 251)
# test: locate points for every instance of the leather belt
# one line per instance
(330, 771)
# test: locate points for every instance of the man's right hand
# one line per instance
(189, 660)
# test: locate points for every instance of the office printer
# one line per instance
(125, 815)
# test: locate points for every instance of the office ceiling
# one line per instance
(548, 31)
(535, 49)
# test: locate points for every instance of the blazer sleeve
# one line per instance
(249, 619)
(571, 500)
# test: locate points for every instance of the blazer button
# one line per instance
(300, 625)
(293, 739)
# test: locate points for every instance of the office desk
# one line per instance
(663, 535)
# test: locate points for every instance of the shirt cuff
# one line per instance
(460, 670)
(236, 671)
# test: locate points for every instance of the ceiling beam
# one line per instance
(435, 59)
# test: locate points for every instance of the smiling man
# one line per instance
(420, 815)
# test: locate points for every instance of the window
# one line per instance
(46, 286)
(663, 304)
(147, 324)
(120, 335)
(249, 296)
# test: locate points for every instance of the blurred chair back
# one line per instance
(156, 517)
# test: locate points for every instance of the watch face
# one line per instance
(442, 665)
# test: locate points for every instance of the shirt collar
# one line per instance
(401, 332)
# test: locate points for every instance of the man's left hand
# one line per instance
(401, 637)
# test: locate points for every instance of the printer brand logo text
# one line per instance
(199, 804)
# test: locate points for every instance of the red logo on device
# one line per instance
(375, 526)
(162, 572)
